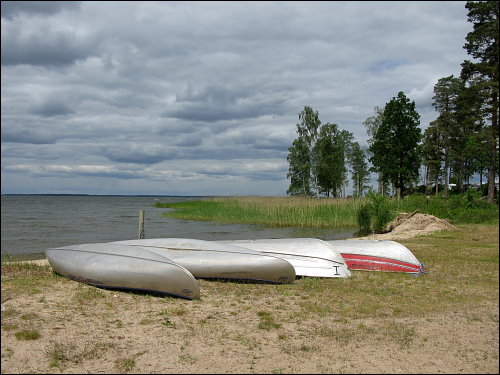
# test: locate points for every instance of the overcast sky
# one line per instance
(202, 98)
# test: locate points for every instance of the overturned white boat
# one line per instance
(115, 266)
(214, 260)
(309, 256)
(378, 255)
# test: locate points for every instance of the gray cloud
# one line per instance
(203, 97)
(11, 9)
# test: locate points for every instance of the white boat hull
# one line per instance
(309, 256)
(378, 255)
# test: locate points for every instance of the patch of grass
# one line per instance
(187, 359)
(125, 364)
(86, 294)
(168, 323)
(29, 316)
(8, 353)
(26, 278)
(9, 327)
(60, 354)
(28, 334)
(267, 321)
(9, 312)
(401, 333)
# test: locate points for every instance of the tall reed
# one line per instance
(324, 212)
(270, 211)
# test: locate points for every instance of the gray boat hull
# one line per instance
(213, 260)
(116, 266)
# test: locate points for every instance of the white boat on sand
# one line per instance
(378, 255)
(309, 256)
(115, 266)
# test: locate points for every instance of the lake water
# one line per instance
(34, 223)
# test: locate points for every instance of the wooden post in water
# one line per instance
(141, 224)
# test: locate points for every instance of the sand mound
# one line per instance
(408, 225)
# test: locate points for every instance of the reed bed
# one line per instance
(270, 211)
(326, 212)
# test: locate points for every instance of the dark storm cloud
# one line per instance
(25, 134)
(138, 154)
(226, 102)
(11, 9)
(51, 47)
(51, 108)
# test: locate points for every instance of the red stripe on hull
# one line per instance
(371, 263)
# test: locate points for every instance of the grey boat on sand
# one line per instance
(214, 260)
(116, 266)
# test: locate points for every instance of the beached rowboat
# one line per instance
(213, 260)
(378, 255)
(116, 266)
(309, 256)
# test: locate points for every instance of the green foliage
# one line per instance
(374, 215)
(331, 151)
(301, 157)
(329, 213)
(318, 157)
(395, 148)
(364, 219)
(482, 74)
(381, 211)
(270, 211)
(359, 169)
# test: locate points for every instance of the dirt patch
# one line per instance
(409, 225)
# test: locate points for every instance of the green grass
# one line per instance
(270, 211)
(267, 321)
(28, 278)
(28, 334)
(326, 213)
(60, 355)
(125, 364)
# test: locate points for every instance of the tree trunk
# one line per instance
(446, 174)
(493, 149)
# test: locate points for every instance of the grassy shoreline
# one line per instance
(325, 213)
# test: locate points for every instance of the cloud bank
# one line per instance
(202, 98)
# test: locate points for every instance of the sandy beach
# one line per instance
(243, 328)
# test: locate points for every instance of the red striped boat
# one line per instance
(378, 255)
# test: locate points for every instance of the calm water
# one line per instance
(34, 223)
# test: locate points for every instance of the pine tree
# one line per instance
(483, 73)
(433, 154)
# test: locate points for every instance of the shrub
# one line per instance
(375, 215)
(364, 219)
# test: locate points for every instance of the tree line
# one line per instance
(460, 143)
